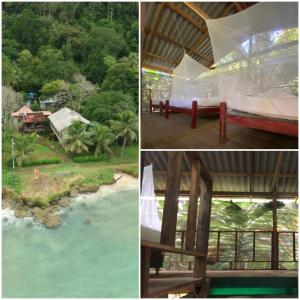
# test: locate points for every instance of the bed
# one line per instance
(156, 106)
(268, 113)
(198, 108)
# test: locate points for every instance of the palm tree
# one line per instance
(77, 138)
(126, 128)
(102, 138)
(23, 146)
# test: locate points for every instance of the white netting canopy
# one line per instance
(160, 91)
(149, 215)
(192, 82)
(256, 50)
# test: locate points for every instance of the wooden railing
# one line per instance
(236, 235)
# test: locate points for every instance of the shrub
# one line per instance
(12, 181)
(38, 162)
(89, 158)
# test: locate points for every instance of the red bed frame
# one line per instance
(263, 123)
(195, 111)
(153, 107)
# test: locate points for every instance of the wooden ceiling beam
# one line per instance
(197, 10)
(238, 6)
(161, 7)
(276, 171)
(199, 42)
(244, 174)
(179, 45)
(163, 70)
(185, 16)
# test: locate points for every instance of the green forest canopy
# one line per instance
(87, 50)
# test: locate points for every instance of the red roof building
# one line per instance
(32, 120)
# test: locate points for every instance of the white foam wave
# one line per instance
(124, 182)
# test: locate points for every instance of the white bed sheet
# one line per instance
(283, 107)
(150, 234)
(211, 101)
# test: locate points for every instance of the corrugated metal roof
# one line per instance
(232, 170)
(64, 118)
(171, 27)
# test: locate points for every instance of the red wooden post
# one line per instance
(223, 117)
(167, 109)
(150, 103)
(161, 107)
(194, 114)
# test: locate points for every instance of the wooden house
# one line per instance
(31, 121)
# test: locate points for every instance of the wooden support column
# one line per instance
(222, 122)
(274, 260)
(193, 205)
(145, 269)
(203, 226)
(194, 114)
(169, 220)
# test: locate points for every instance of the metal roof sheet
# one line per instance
(225, 167)
(64, 118)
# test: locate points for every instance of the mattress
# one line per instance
(150, 234)
(211, 101)
(281, 107)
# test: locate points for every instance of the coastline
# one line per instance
(50, 216)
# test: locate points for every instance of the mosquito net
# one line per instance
(160, 91)
(149, 215)
(256, 51)
(192, 82)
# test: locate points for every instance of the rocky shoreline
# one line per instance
(50, 216)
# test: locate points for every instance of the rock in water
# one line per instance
(64, 202)
(74, 192)
(22, 213)
(39, 214)
(53, 221)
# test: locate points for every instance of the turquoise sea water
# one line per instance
(93, 254)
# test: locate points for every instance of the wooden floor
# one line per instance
(175, 133)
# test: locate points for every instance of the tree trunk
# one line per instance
(123, 147)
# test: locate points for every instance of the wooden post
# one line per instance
(169, 220)
(203, 226)
(222, 124)
(218, 245)
(145, 268)
(150, 103)
(182, 244)
(254, 240)
(161, 108)
(294, 246)
(274, 262)
(193, 205)
(167, 109)
(194, 114)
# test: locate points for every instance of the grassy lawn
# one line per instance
(56, 180)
